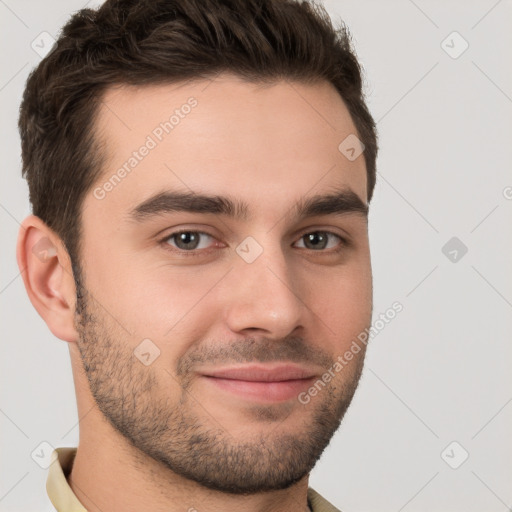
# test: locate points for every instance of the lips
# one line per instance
(261, 383)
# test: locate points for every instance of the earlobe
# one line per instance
(47, 274)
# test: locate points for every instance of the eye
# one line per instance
(319, 240)
(188, 240)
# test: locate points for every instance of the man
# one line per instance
(200, 174)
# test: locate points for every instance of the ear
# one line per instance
(46, 269)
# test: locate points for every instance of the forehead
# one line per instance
(262, 142)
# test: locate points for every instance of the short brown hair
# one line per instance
(141, 42)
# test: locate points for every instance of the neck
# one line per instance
(110, 474)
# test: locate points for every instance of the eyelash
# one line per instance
(344, 243)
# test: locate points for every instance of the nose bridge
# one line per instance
(263, 293)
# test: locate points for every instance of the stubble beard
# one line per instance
(186, 439)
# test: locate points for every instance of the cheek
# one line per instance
(144, 296)
(171, 307)
(344, 305)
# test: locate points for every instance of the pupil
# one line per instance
(315, 237)
(187, 237)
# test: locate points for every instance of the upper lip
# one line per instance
(262, 373)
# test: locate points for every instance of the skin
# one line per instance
(270, 146)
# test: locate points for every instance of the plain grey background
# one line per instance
(429, 427)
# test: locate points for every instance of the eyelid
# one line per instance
(333, 231)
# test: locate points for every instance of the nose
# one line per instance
(264, 295)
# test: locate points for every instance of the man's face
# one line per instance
(199, 346)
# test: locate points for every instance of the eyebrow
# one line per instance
(339, 202)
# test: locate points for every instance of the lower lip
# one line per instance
(262, 391)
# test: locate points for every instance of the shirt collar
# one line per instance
(60, 493)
